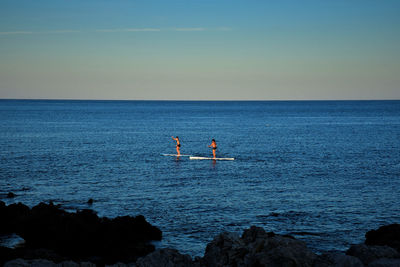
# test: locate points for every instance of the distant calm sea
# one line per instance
(323, 171)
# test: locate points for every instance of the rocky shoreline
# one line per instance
(54, 237)
(52, 233)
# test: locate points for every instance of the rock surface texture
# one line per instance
(52, 233)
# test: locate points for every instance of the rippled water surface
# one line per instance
(323, 171)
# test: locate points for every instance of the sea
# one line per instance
(325, 172)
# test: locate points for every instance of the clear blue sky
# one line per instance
(220, 49)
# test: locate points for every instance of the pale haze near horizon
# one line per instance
(200, 50)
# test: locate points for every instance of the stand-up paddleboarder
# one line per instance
(214, 147)
(178, 145)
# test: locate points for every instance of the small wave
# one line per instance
(306, 233)
(11, 241)
(288, 214)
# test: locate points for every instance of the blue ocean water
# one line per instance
(323, 171)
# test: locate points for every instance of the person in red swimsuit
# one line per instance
(214, 147)
(178, 145)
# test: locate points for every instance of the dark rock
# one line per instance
(6, 254)
(388, 235)
(337, 259)
(10, 195)
(225, 250)
(38, 253)
(368, 254)
(167, 258)
(257, 248)
(255, 234)
(385, 263)
(81, 235)
(90, 201)
(12, 217)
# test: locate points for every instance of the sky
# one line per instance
(200, 49)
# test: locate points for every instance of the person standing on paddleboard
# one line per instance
(214, 147)
(178, 145)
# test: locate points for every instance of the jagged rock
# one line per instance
(225, 250)
(12, 217)
(368, 254)
(81, 235)
(6, 254)
(388, 235)
(337, 259)
(385, 263)
(166, 258)
(257, 248)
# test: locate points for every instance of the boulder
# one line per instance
(6, 254)
(81, 235)
(227, 249)
(12, 217)
(337, 259)
(257, 248)
(388, 235)
(368, 254)
(385, 263)
(166, 258)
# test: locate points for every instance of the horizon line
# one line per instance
(195, 100)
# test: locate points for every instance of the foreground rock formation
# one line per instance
(52, 233)
(259, 248)
(255, 247)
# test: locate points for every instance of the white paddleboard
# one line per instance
(212, 158)
(176, 155)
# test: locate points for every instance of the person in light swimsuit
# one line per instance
(178, 145)
(214, 147)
